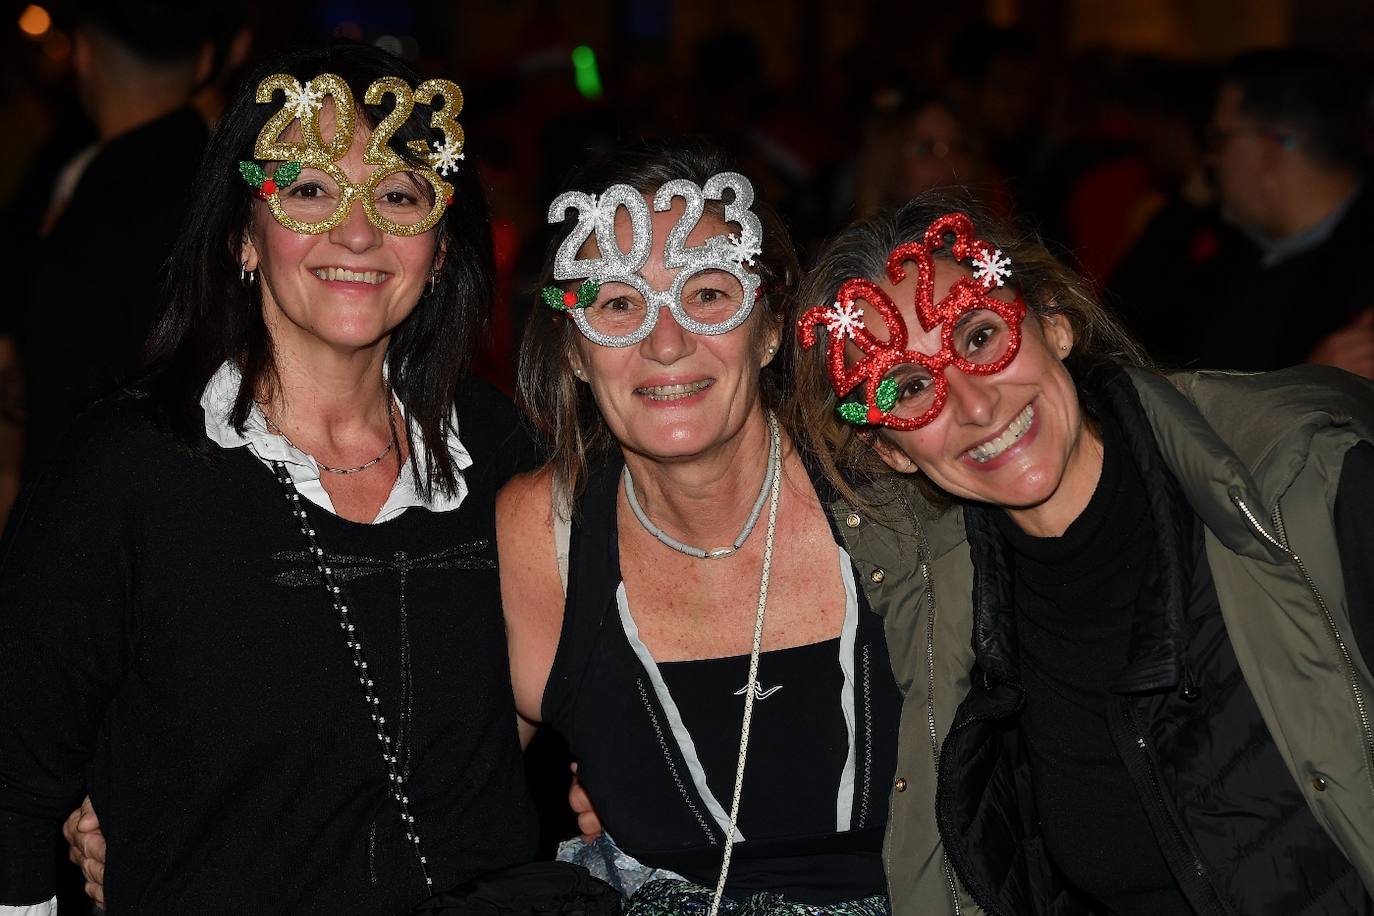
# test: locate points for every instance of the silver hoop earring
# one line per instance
(433, 281)
(248, 278)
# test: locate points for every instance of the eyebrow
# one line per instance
(966, 318)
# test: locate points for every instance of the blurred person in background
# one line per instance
(1291, 285)
(923, 143)
(92, 280)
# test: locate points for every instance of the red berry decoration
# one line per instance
(448, 202)
(875, 416)
(269, 187)
(570, 298)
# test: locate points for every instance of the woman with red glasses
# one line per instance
(1165, 704)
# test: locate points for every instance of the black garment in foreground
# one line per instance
(1075, 597)
(164, 634)
(601, 697)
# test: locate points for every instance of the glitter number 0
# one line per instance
(599, 217)
(306, 105)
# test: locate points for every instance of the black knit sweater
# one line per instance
(166, 645)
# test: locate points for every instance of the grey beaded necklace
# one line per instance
(774, 463)
(396, 780)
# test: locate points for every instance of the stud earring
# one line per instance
(577, 372)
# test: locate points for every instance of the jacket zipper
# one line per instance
(1161, 800)
(1281, 542)
(922, 554)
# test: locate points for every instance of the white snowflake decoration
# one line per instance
(742, 248)
(303, 102)
(992, 269)
(445, 157)
(845, 318)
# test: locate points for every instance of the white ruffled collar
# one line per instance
(217, 401)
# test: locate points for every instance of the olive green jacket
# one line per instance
(1259, 459)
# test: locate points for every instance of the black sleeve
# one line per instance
(66, 579)
(1355, 534)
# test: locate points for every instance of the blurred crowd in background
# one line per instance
(1202, 164)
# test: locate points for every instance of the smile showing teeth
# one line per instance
(371, 277)
(1014, 431)
(673, 392)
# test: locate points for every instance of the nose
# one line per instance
(356, 233)
(972, 399)
(668, 342)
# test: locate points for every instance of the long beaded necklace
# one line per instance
(396, 780)
(774, 454)
(751, 688)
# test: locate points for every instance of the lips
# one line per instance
(675, 392)
(1017, 428)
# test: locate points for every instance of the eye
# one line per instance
(618, 304)
(981, 336)
(400, 198)
(307, 190)
(911, 386)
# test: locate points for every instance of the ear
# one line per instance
(248, 252)
(893, 456)
(1058, 334)
(770, 350)
(440, 252)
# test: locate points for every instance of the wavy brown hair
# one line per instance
(563, 409)
(845, 453)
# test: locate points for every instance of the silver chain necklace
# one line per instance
(396, 778)
(276, 430)
(774, 464)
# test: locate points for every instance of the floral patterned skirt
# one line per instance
(682, 898)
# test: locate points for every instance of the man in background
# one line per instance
(1295, 282)
(91, 283)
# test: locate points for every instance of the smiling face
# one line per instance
(345, 289)
(1014, 439)
(674, 394)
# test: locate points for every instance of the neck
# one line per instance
(124, 108)
(704, 500)
(1312, 197)
(330, 398)
(1053, 517)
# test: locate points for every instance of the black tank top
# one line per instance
(657, 744)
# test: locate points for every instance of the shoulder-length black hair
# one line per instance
(211, 317)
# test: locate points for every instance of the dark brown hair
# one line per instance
(212, 318)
